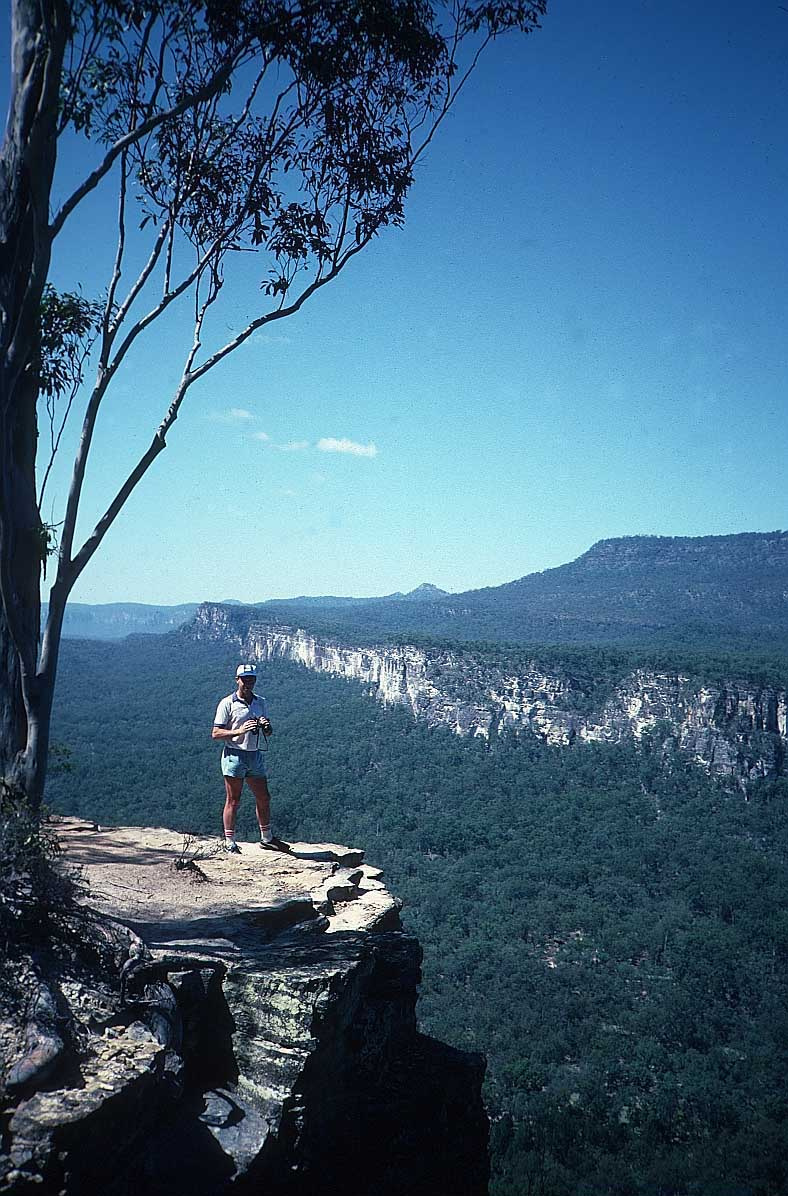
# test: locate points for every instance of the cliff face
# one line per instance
(734, 729)
(248, 1026)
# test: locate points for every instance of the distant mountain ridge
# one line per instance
(699, 555)
(727, 590)
(426, 592)
(115, 620)
(639, 636)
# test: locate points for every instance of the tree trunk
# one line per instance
(13, 724)
(27, 163)
(21, 564)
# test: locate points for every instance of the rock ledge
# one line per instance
(237, 1023)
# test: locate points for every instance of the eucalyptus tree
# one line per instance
(285, 129)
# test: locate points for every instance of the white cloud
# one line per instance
(232, 415)
(270, 338)
(260, 436)
(330, 445)
(294, 446)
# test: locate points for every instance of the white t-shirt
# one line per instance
(233, 712)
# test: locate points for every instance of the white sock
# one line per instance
(230, 836)
(265, 833)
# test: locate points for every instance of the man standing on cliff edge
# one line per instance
(241, 718)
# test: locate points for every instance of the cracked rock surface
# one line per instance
(239, 1023)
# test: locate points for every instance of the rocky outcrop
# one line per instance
(248, 1026)
(734, 728)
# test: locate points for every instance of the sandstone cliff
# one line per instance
(733, 728)
(231, 1023)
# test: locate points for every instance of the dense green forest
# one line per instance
(607, 925)
(511, 624)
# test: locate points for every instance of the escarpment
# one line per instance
(735, 728)
(231, 1023)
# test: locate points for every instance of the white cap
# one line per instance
(246, 670)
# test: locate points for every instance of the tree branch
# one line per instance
(163, 303)
(70, 568)
(56, 440)
(451, 96)
(157, 445)
(281, 312)
(209, 89)
(88, 50)
(138, 285)
(117, 268)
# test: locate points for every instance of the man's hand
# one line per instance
(249, 725)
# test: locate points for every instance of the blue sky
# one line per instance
(579, 333)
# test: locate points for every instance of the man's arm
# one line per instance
(221, 729)
(233, 732)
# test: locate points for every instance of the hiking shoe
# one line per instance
(275, 844)
(231, 847)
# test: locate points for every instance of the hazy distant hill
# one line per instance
(715, 590)
(659, 581)
(423, 593)
(114, 620)
(638, 589)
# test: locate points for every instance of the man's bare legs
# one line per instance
(262, 801)
(232, 789)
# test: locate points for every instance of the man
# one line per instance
(241, 718)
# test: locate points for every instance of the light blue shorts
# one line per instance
(237, 763)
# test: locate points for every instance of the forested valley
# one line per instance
(603, 922)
